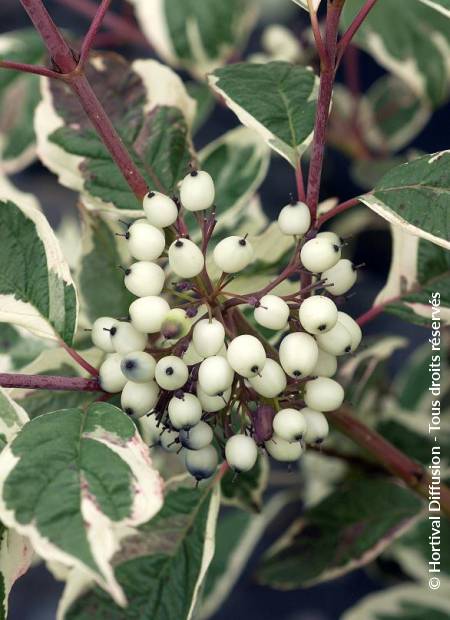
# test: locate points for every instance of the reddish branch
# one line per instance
(354, 27)
(340, 208)
(66, 64)
(48, 382)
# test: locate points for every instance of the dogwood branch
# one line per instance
(353, 28)
(49, 382)
(89, 39)
(340, 208)
(65, 63)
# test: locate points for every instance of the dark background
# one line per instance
(35, 596)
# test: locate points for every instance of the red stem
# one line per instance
(115, 23)
(299, 181)
(323, 55)
(340, 208)
(375, 311)
(79, 359)
(64, 60)
(354, 27)
(88, 40)
(323, 105)
(25, 68)
(48, 382)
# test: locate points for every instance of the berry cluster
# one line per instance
(199, 384)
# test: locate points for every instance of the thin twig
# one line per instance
(79, 359)
(88, 40)
(340, 208)
(353, 28)
(25, 68)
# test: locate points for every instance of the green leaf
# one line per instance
(162, 566)
(100, 255)
(409, 40)
(405, 602)
(195, 36)
(12, 418)
(36, 291)
(19, 96)
(442, 6)
(276, 99)
(346, 530)
(246, 490)
(70, 479)
(416, 196)
(18, 347)
(148, 106)
(205, 103)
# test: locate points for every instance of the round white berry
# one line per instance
(111, 377)
(323, 394)
(282, 450)
(353, 328)
(212, 404)
(201, 463)
(341, 277)
(272, 312)
(197, 437)
(197, 191)
(208, 337)
(137, 399)
(241, 453)
(145, 242)
(138, 366)
(148, 313)
(298, 354)
(337, 341)
(289, 424)
(101, 333)
(318, 314)
(246, 355)
(233, 254)
(271, 381)
(316, 426)
(127, 339)
(161, 211)
(150, 429)
(185, 258)
(191, 356)
(331, 236)
(294, 219)
(319, 254)
(168, 440)
(171, 373)
(184, 411)
(215, 375)
(326, 365)
(144, 278)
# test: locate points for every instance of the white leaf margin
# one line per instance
(24, 314)
(163, 87)
(304, 4)
(438, 5)
(147, 496)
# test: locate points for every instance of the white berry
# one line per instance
(126, 338)
(353, 328)
(340, 278)
(150, 429)
(148, 313)
(168, 440)
(316, 426)
(319, 254)
(215, 375)
(145, 242)
(294, 219)
(137, 399)
(208, 337)
(144, 278)
(197, 191)
(171, 373)
(241, 453)
(318, 314)
(337, 341)
(282, 450)
(101, 336)
(161, 211)
(111, 377)
(331, 236)
(246, 355)
(271, 381)
(185, 258)
(197, 437)
(191, 355)
(272, 312)
(138, 366)
(201, 463)
(298, 354)
(323, 394)
(184, 412)
(212, 404)
(326, 365)
(233, 254)
(289, 424)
